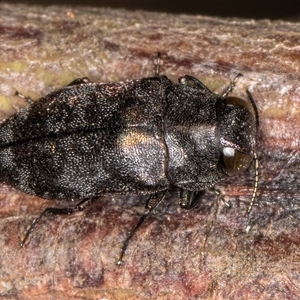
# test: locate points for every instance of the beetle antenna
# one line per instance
(254, 153)
(255, 183)
(254, 108)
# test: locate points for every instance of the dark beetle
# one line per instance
(137, 136)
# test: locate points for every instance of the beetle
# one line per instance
(140, 136)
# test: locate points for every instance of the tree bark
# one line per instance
(210, 252)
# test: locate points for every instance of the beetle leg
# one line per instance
(77, 81)
(153, 201)
(189, 199)
(231, 86)
(27, 99)
(220, 195)
(80, 81)
(53, 211)
(189, 80)
(157, 62)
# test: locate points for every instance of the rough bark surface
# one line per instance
(210, 252)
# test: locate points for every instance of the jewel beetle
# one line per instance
(140, 136)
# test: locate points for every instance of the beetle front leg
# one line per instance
(220, 196)
(189, 199)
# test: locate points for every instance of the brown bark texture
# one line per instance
(210, 252)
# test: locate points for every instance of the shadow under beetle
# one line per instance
(138, 136)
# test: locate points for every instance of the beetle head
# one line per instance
(237, 126)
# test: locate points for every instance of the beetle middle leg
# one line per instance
(157, 62)
(80, 81)
(190, 80)
(153, 201)
(27, 99)
(53, 211)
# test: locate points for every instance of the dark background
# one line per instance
(258, 9)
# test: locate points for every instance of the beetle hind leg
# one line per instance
(53, 211)
(77, 81)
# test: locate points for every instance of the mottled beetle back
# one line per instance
(137, 136)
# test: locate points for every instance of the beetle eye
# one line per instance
(236, 101)
(239, 102)
(235, 162)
